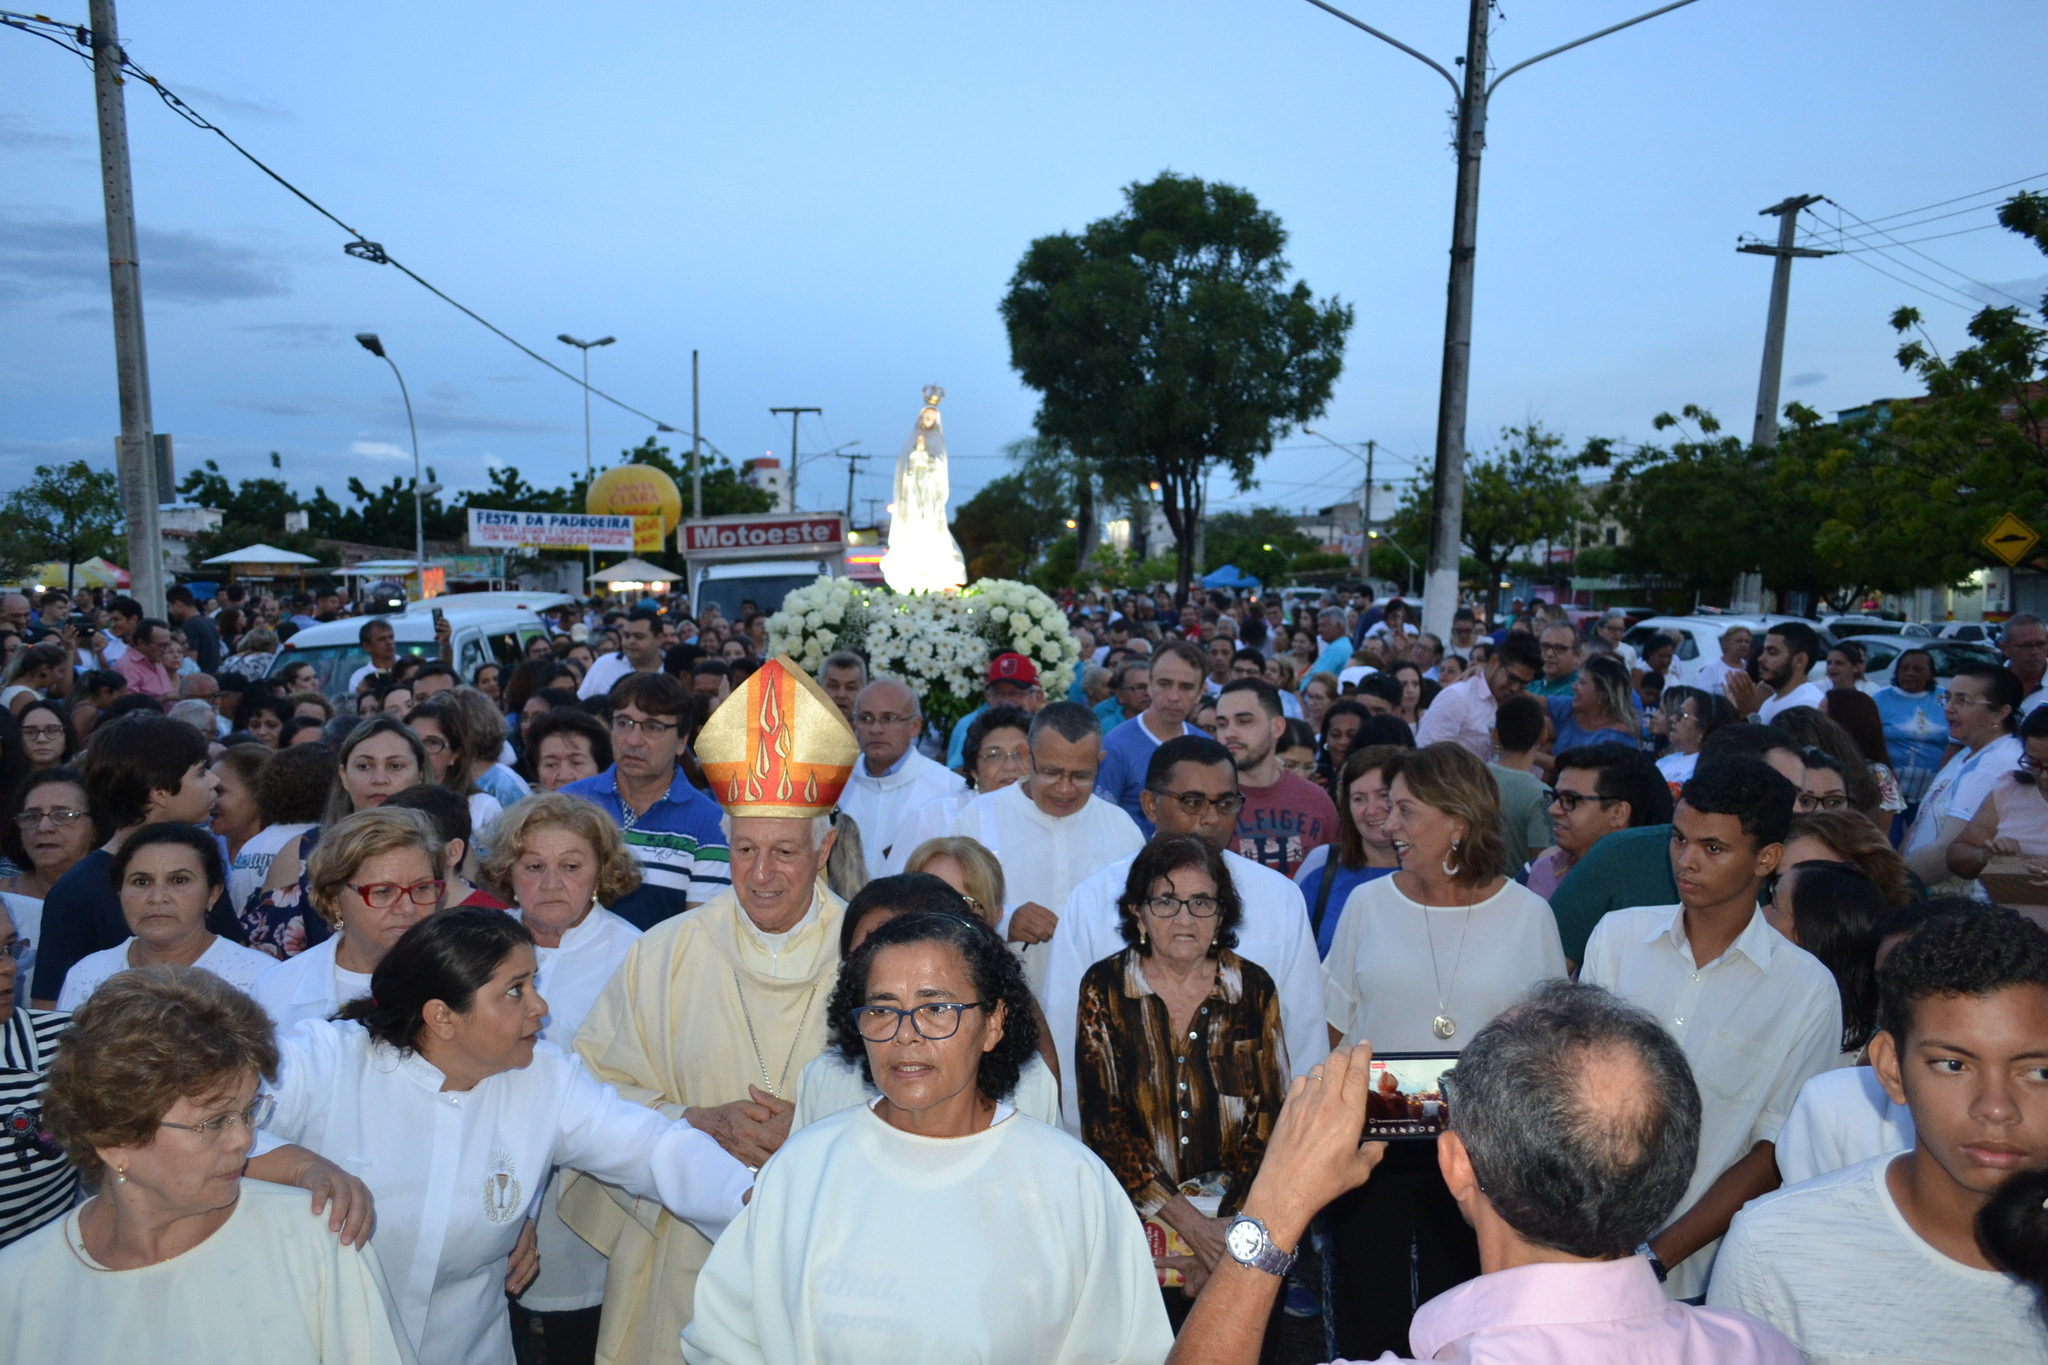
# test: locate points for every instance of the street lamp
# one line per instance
(1412, 565)
(370, 343)
(589, 477)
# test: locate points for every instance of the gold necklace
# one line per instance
(773, 1087)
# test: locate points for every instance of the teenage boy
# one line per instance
(1755, 1014)
(1881, 1260)
(1284, 817)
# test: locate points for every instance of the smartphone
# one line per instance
(1407, 1099)
(439, 617)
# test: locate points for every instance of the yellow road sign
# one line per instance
(2011, 540)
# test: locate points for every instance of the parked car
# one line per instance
(1834, 629)
(1883, 651)
(480, 635)
(1699, 637)
(1983, 632)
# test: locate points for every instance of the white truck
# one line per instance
(760, 557)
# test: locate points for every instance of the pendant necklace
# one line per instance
(1443, 1026)
(773, 1087)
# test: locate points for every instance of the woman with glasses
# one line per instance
(1180, 1064)
(450, 759)
(2012, 824)
(167, 875)
(153, 1096)
(374, 875)
(935, 1222)
(1362, 853)
(1686, 716)
(47, 835)
(46, 735)
(437, 1091)
(1295, 751)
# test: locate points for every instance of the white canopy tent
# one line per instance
(261, 554)
(634, 571)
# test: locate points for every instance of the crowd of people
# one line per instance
(645, 998)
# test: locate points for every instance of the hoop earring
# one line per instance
(1450, 871)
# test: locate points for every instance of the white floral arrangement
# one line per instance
(939, 643)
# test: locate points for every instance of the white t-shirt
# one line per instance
(1379, 982)
(1841, 1117)
(1834, 1265)
(1961, 786)
(252, 862)
(1678, 767)
(1806, 694)
(231, 962)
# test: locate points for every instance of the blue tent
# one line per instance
(1229, 576)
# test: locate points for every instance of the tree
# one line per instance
(1165, 343)
(1522, 493)
(1264, 542)
(252, 512)
(1010, 522)
(65, 514)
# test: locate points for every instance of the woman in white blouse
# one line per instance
(167, 875)
(556, 860)
(437, 1092)
(373, 876)
(1421, 961)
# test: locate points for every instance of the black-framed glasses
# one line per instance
(384, 895)
(1194, 803)
(935, 1022)
(1166, 907)
(252, 1118)
(63, 817)
(1571, 800)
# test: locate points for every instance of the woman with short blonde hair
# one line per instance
(968, 867)
(617, 874)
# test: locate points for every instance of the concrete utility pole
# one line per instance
(1473, 94)
(135, 459)
(795, 415)
(1765, 432)
(696, 445)
(853, 463)
(589, 474)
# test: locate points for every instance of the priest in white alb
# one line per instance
(713, 1014)
(1049, 831)
(1191, 788)
(892, 779)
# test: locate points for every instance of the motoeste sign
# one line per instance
(743, 537)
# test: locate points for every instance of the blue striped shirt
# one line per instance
(677, 843)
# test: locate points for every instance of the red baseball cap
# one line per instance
(1013, 668)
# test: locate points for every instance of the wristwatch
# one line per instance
(1249, 1244)
(1656, 1264)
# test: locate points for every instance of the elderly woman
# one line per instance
(567, 745)
(40, 1184)
(154, 1097)
(1688, 715)
(167, 876)
(46, 835)
(830, 1083)
(557, 859)
(254, 653)
(438, 1093)
(1362, 853)
(1035, 1256)
(374, 875)
(1180, 1064)
(998, 753)
(1421, 961)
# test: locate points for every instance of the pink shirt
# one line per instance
(143, 676)
(1461, 714)
(1603, 1313)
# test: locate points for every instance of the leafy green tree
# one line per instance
(1264, 542)
(252, 513)
(65, 513)
(1166, 344)
(1522, 493)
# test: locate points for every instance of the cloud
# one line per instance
(1807, 380)
(51, 254)
(208, 101)
(2001, 293)
(18, 134)
(378, 450)
(279, 407)
(298, 333)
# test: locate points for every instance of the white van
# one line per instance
(481, 635)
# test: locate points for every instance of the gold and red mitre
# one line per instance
(777, 746)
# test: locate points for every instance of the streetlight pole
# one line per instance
(589, 476)
(1472, 96)
(1365, 503)
(370, 343)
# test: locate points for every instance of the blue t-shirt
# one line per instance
(956, 744)
(1343, 881)
(1126, 754)
(1570, 735)
(678, 845)
(1915, 731)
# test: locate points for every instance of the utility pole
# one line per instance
(134, 463)
(853, 461)
(871, 509)
(1765, 432)
(696, 445)
(795, 415)
(589, 470)
(1365, 520)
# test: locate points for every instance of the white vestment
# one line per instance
(271, 1284)
(1045, 858)
(929, 821)
(867, 1244)
(830, 1083)
(311, 985)
(1273, 933)
(880, 803)
(454, 1172)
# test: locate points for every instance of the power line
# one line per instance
(1941, 203)
(1970, 306)
(1935, 237)
(1925, 257)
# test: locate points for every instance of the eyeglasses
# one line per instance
(16, 948)
(252, 1118)
(1079, 777)
(889, 718)
(1019, 757)
(1950, 697)
(434, 744)
(384, 895)
(1571, 800)
(1166, 907)
(1813, 801)
(1300, 767)
(626, 725)
(63, 817)
(42, 732)
(1194, 803)
(935, 1022)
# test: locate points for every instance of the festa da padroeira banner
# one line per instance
(549, 531)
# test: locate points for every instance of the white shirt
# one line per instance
(604, 672)
(252, 862)
(880, 803)
(1756, 1023)
(1711, 675)
(231, 962)
(355, 679)
(1014, 1244)
(312, 985)
(1806, 694)
(830, 1083)
(929, 821)
(1272, 933)
(1841, 1117)
(454, 1172)
(1961, 786)
(1045, 858)
(1461, 714)
(1834, 1265)
(1677, 767)
(1381, 983)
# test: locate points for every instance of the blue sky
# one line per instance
(828, 201)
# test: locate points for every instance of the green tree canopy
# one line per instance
(1264, 542)
(65, 513)
(1522, 493)
(1165, 342)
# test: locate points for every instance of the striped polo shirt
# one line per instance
(677, 843)
(37, 1183)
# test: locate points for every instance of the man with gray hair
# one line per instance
(892, 779)
(2024, 643)
(843, 675)
(1574, 1126)
(1336, 640)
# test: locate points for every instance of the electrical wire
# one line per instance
(1959, 232)
(78, 40)
(1942, 203)
(1989, 288)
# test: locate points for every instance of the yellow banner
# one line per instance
(647, 535)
